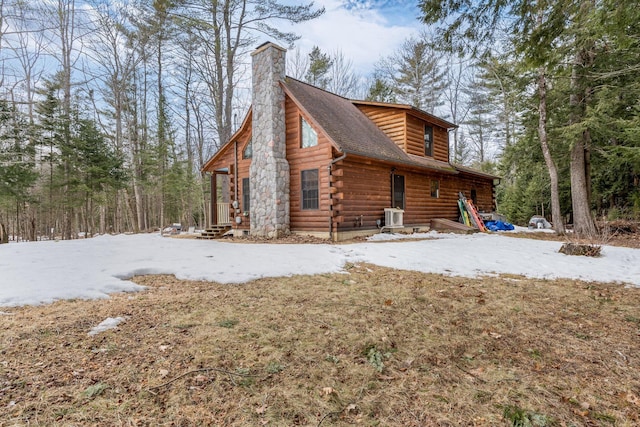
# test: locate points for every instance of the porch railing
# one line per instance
(223, 213)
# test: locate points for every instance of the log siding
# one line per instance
(415, 139)
(392, 122)
(300, 159)
(354, 191)
(366, 190)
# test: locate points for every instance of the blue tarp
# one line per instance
(498, 226)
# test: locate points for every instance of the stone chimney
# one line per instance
(269, 171)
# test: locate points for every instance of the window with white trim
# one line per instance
(310, 193)
(428, 141)
(246, 195)
(309, 137)
(435, 188)
(248, 150)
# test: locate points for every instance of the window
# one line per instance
(435, 188)
(428, 141)
(398, 191)
(474, 196)
(310, 189)
(246, 195)
(248, 150)
(309, 137)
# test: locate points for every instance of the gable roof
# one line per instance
(349, 129)
(421, 114)
(226, 145)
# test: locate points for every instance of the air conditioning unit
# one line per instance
(393, 217)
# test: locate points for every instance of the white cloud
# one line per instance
(364, 33)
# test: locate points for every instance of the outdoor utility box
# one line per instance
(393, 217)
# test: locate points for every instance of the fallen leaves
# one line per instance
(201, 378)
(492, 334)
(326, 391)
(511, 340)
(631, 398)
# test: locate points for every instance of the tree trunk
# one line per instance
(582, 219)
(583, 223)
(556, 216)
(4, 237)
(103, 219)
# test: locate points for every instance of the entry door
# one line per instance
(398, 191)
(220, 199)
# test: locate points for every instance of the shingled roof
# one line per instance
(350, 129)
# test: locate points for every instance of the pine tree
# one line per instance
(380, 91)
(17, 168)
(319, 65)
(480, 120)
(414, 73)
(535, 31)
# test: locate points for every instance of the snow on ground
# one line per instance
(106, 324)
(42, 272)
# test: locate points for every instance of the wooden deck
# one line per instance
(441, 224)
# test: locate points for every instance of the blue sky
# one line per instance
(364, 30)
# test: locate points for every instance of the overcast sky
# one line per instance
(364, 30)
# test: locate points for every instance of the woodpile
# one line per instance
(580, 249)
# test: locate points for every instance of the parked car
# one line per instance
(173, 229)
(539, 222)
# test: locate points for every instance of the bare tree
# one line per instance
(64, 27)
(226, 30)
(454, 94)
(26, 45)
(556, 214)
(297, 64)
(116, 50)
(342, 80)
(2, 32)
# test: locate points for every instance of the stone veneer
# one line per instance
(269, 171)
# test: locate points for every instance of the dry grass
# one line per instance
(372, 347)
(615, 233)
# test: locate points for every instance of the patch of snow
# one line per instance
(106, 324)
(385, 237)
(519, 229)
(43, 272)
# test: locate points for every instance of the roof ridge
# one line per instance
(318, 88)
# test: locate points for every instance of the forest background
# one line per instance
(108, 110)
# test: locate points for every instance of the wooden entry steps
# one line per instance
(441, 224)
(214, 232)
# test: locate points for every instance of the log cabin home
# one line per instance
(308, 161)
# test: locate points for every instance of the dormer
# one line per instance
(413, 130)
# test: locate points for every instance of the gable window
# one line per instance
(428, 141)
(309, 137)
(248, 150)
(246, 195)
(435, 188)
(398, 191)
(309, 180)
